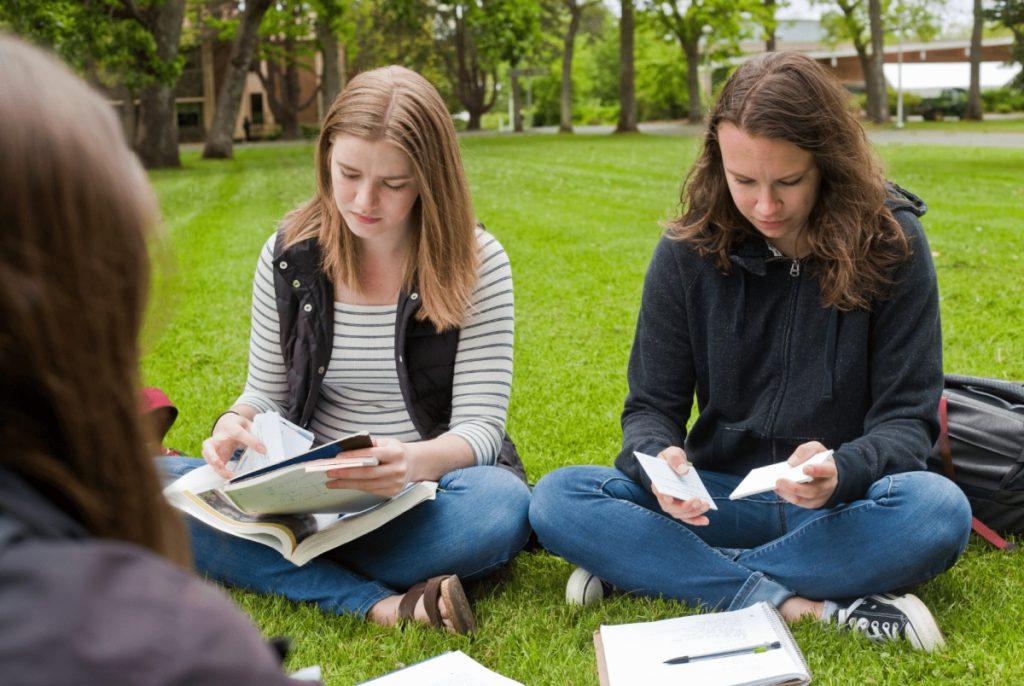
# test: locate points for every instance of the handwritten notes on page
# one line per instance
(750, 646)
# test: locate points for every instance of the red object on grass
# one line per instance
(156, 404)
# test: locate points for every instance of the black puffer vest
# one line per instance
(425, 358)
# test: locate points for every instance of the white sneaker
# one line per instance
(890, 618)
(584, 588)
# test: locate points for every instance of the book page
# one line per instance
(334, 530)
(636, 653)
(298, 538)
(763, 479)
(448, 669)
(296, 491)
(683, 486)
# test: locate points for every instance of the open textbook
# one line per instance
(290, 477)
(298, 537)
(747, 647)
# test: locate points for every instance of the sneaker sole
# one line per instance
(922, 632)
(583, 588)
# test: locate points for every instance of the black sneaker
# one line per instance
(584, 588)
(891, 618)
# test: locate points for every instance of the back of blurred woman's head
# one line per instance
(75, 210)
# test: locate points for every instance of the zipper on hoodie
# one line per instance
(794, 266)
(776, 403)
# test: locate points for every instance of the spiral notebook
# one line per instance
(747, 647)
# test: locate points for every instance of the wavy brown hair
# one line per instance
(854, 239)
(397, 105)
(75, 207)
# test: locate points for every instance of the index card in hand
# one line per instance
(681, 486)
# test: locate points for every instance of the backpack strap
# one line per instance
(977, 525)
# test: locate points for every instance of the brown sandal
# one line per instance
(449, 589)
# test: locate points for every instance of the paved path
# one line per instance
(994, 139)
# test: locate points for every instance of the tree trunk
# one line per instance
(331, 79)
(880, 113)
(290, 130)
(517, 101)
(769, 41)
(627, 72)
(220, 138)
(692, 53)
(575, 12)
(129, 118)
(283, 90)
(974, 94)
(158, 143)
(470, 77)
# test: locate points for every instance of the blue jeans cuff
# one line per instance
(758, 587)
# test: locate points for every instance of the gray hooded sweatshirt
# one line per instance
(80, 610)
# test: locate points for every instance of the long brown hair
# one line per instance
(75, 208)
(854, 239)
(398, 105)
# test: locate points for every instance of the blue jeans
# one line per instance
(476, 524)
(908, 528)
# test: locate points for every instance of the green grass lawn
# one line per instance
(579, 217)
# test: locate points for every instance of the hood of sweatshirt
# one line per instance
(754, 255)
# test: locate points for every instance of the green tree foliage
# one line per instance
(660, 74)
(377, 33)
(708, 31)
(131, 47)
(475, 37)
(848, 20)
(98, 39)
(285, 50)
(1010, 13)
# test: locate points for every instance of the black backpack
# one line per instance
(981, 448)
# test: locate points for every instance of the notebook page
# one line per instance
(636, 653)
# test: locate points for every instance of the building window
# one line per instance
(256, 107)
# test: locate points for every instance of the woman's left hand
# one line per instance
(824, 479)
(387, 478)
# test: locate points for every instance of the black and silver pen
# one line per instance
(759, 648)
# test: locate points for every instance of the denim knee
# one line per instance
(511, 496)
(174, 467)
(560, 495)
(938, 510)
(550, 495)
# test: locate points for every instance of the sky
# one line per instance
(957, 10)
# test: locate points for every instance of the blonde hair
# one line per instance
(74, 271)
(397, 105)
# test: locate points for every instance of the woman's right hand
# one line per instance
(232, 431)
(687, 511)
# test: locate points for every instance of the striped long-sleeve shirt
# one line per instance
(361, 390)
